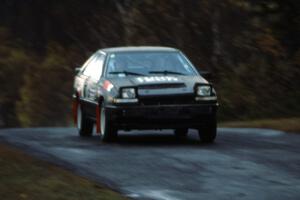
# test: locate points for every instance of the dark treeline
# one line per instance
(251, 46)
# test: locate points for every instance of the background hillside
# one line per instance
(251, 46)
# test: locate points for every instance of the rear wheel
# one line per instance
(84, 124)
(208, 132)
(108, 131)
(181, 133)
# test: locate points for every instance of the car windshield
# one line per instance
(123, 64)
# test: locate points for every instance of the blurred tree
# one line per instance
(252, 47)
(46, 93)
(13, 62)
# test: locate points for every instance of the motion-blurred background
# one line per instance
(252, 47)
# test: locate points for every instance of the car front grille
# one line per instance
(168, 100)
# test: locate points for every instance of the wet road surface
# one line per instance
(242, 164)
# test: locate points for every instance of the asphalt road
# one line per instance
(242, 164)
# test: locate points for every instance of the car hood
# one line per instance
(158, 85)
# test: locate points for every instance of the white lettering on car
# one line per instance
(169, 78)
(140, 79)
(149, 79)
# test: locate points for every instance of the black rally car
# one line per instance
(128, 88)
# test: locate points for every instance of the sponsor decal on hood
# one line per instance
(154, 79)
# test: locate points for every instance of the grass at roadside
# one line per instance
(286, 124)
(24, 177)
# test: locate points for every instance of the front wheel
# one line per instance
(208, 133)
(84, 124)
(108, 131)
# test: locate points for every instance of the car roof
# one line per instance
(137, 48)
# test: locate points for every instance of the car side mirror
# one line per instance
(207, 75)
(77, 70)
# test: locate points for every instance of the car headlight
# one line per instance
(204, 90)
(128, 93)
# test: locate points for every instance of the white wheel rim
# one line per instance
(102, 121)
(79, 116)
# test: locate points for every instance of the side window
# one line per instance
(98, 67)
(94, 68)
(86, 63)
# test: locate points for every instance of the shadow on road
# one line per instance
(150, 139)
(155, 140)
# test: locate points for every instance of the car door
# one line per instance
(94, 72)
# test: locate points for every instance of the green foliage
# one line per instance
(13, 62)
(46, 93)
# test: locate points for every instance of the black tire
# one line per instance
(84, 124)
(181, 133)
(208, 132)
(108, 130)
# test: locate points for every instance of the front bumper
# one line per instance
(161, 116)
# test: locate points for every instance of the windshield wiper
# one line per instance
(127, 73)
(165, 72)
